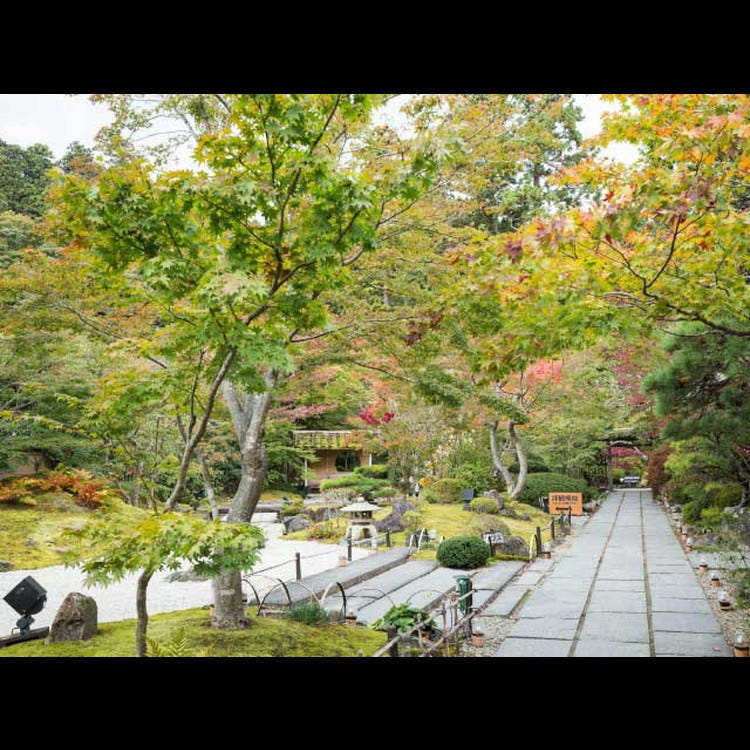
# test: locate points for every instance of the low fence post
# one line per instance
(298, 565)
(539, 540)
(570, 523)
(387, 538)
(349, 550)
(552, 529)
(390, 634)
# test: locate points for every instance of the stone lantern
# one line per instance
(361, 524)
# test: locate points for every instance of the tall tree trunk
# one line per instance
(142, 613)
(514, 485)
(249, 413)
(208, 485)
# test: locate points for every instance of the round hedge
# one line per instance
(463, 552)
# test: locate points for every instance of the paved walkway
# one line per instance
(624, 587)
(117, 602)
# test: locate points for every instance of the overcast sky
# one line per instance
(59, 119)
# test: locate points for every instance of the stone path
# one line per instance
(624, 587)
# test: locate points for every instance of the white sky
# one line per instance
(59, 119)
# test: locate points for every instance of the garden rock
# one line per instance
(76, 620)
(4, 565)
(498, 497)
(394, 521)
(513, 545)
(297, 523)
(590, 507)
(508, 513)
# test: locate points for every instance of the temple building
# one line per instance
(337, 453)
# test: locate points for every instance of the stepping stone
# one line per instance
(506, 602)
(672, 579)
(541, 565)
(625, 586)
(622, 627)
(689, 644)
(668, 604)
(529, 578)
(617, 601)
(496, 576)
(595, 648)
(544, 627)
(533, 647)
(685, 622)
(677, 591)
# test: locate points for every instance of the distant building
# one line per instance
(337, 453)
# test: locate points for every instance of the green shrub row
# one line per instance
(542, 483)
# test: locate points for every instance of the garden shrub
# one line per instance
(723, 495)
(428, 495)
(326, 530)
(484, 523)
(691, 511)
(386, 491)
(376, 471)
(447, 490)
(484, 505)
(539, 485)
(711, 518)
(463, 552)
(291, 508)
(403, 617)
(310, 613)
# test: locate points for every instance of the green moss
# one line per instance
(30, 535)
(266, 636)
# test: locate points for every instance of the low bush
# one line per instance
(327, 530)
(691, 511)
(484, 523)
(403, 617)
(291, 508)
(446, 490)
(540, 485)
(463, 552)
(376, 471)
(484, 505)
(310, 613)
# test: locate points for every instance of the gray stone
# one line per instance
(544, 627)
(495, 576)
(623, 627)
(690, 644)
(625, 586)
(617, 601)
(597, 648)
(669, 604)
(513, 545)
(495, 496)
(677, 591)
(76, 620)
(184, 576)
(297, 523)
(533, 647)
(590, 507)
(685, 622)
(393, 521)
(506, 602)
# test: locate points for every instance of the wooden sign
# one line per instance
(494, 537)
(561, 502)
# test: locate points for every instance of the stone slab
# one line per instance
(494, 577)
(506, 602)
(685, 622)
(601, 648)
(677, 591)
(617, 601)
(690, 644)
(622, 627)
(544, 627)
(668, 604)
(625, 586)
(530, 647)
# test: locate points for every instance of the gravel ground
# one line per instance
(732, 622)
(117, 602)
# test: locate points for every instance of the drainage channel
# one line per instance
(582, 619)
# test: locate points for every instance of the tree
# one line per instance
(24, 178)
(80, 160)
(17, 231)
(111, 548)
(704, 390)
(294, 190)
(665, 237)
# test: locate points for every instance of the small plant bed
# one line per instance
(188, 633)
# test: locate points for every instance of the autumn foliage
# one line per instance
(80, 485)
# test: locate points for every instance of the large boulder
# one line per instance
(394, 521)
(512, 545)
(498, 497)
(297, 523)
(76, 620)
(400, 505)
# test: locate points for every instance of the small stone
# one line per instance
(76, 620)
(297, 523)
(513, 545)
(5, 565)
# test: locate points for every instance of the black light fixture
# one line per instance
(27, 598)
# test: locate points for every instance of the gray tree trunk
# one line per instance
(208, 485)
(249, 413)
(142, 613)
(513, 484)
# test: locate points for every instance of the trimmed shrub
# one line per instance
(723, 495)
(384, 492)
(691, 511)
(310, 613)
(463, 552)
(447, 490)
(335, 482)
(292, 508)
(376, 471)
(484, 505)
(484, 523)
(539, 485)
(427, 495)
